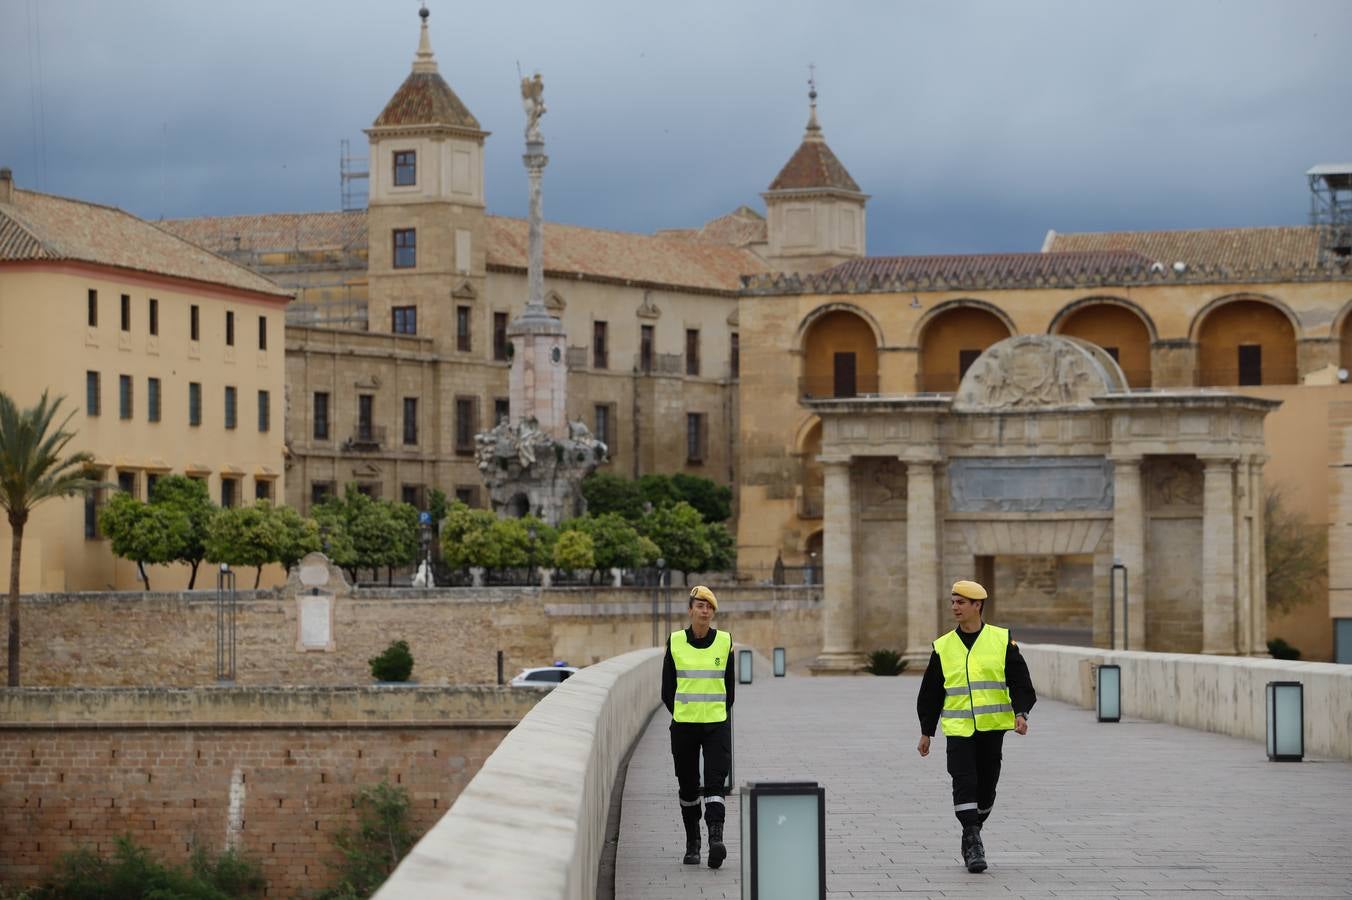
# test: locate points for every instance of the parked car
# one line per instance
(543, 677)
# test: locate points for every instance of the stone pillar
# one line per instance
(1257, 645)
(1129, 550)
(840, 640)
(922, 563)
(1218, 555)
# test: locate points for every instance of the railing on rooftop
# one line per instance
(826, 387)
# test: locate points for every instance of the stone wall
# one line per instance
(271, 772)
(1055, 591)
(169, 639)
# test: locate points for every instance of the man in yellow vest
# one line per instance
(697, 689)
(977, 685)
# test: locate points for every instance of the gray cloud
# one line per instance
(975, 126)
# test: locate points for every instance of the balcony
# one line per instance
(366, 438)
(826, 387)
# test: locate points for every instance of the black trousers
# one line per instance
(974, 763)
(688, 741)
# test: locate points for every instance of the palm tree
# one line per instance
(31, 471)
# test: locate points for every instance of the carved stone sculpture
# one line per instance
(1037, 371)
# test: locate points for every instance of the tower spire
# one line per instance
(814, 130)
(423, 60)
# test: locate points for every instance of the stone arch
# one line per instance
(951, 336)
(811, 491)
(1246, 339)
(1119, 326)
(1342, 332)
(519, 506)
(839, 344)
(804, 435)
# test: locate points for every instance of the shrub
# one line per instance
(1280, 649)
(132, 872)
(371, 851)
(395, 664)
(885, 662)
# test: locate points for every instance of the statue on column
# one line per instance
(533, 100)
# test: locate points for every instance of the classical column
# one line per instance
(1257, 612)
(1129, 550)
(840, 641)
(922, 563)
(1218, 555)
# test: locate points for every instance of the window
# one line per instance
(229, 328)
(1250, 364)
(126, 312)
(154, 316)
(499, 335)
(467, 495)
(126, 482)
(263, 489)
(194, 403)
(321, 431)
(965, 360)
(645, 348)
(152, 399)
(366, 405)
(124, 396)
(1112, 351)
(405, 248)
(466, 423)
(370, 489)
(229, 492)
(462, 328)
(320, 491)
(93, 502)
(152, 479)
(405, 319)
(93, 308)
(264, 411)
(262, 332)
(600, 358)
(603, 423)
(230, 411)
(195, 326)
(502, 410)
(405, 168)
(696, 436)
(692, 351)
(411, 494)
(735, 356)
(410, 420)
(93, 394)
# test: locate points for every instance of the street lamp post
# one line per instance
(1118, 571)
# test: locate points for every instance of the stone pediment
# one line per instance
(1038, 371)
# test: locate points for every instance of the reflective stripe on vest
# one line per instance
(701, 695)
(976, 695)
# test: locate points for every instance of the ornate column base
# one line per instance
(838, 664)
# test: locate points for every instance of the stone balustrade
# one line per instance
(532, 822)
(1223, 694)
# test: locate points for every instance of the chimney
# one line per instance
(6, 186)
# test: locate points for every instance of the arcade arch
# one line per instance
(1245, 341)
(951, 339)
(840, 354)
(1122, 329)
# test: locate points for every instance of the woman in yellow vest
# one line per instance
(977, 685)
(697, 689)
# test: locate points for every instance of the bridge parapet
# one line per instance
(531, 825)
(1222, 694)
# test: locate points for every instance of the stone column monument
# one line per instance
(535, 463)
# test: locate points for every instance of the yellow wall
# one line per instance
(839, 332)
(46, 344)
(1244, 322)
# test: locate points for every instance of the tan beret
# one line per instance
(969, 589)
(700, 592)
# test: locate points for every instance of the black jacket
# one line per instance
(930, 702)
(669, 670)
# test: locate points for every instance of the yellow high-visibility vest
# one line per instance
(976, 695)
(701, 695)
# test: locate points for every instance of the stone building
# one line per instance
(170, 359)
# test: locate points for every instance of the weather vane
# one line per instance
(812, 81)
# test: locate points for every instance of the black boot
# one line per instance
(973, 852)
(717, 852)
(690, 818)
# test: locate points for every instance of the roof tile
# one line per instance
(425, 99)
(1236, 248)
(813, 165)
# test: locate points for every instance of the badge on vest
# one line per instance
(718, 660)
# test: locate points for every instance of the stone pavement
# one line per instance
(1133, 809)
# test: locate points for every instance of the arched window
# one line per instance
(1117, 330)
(952, 341)
(1246, 342)
(812, 490)
(840, 356)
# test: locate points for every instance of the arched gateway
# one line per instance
(1035, 477)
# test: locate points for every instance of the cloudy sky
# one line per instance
(974, 125)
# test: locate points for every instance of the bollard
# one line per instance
(1110, 693)
(780, 662)
(783, 841)
(1285, 721)
(743, 666)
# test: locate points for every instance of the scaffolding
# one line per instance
(352, 198)
(1331, 210)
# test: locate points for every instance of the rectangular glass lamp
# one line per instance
(783, 841)
(1285, 721)
(743, 666)
(1110, 693)
(780, 662)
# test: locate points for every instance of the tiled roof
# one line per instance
(813, 165)
(274, 232)
(45, 227)
(1236, 248)
(569, 250)
(425, 99)
(958, 267)
(738, 228)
